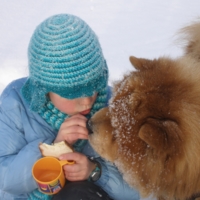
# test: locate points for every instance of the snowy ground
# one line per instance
(141, 28)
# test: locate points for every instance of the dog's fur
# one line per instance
(151, 128)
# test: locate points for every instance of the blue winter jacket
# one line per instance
(21, 131)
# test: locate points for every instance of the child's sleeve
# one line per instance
(18, 149)
(111, 181)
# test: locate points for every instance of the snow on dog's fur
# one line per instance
(151, 128)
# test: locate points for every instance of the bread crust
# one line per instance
(55, 149)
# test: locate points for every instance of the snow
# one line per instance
(141, 28)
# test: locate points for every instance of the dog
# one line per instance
(151, 127)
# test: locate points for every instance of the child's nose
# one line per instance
(86, 100)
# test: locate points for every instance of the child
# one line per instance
(67, 84)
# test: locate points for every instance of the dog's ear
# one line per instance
(140, 63)
(162, 135)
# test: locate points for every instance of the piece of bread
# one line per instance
(55, 149)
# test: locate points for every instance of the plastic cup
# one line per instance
(49, 175)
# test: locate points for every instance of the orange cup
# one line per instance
(49, 175)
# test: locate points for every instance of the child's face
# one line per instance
(73, 106)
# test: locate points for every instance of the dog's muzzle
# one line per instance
(89, 127)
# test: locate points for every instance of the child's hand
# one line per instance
(72, 129)
(79, 171)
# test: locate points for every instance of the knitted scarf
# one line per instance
(55, 118)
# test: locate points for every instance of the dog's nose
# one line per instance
(89, 127)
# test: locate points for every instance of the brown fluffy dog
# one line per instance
(151, 129)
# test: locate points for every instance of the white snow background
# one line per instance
(143, 28)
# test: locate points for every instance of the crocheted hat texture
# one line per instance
(65, 57)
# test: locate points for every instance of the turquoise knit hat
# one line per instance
(65, 58)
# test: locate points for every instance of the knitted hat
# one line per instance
(65, 58)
